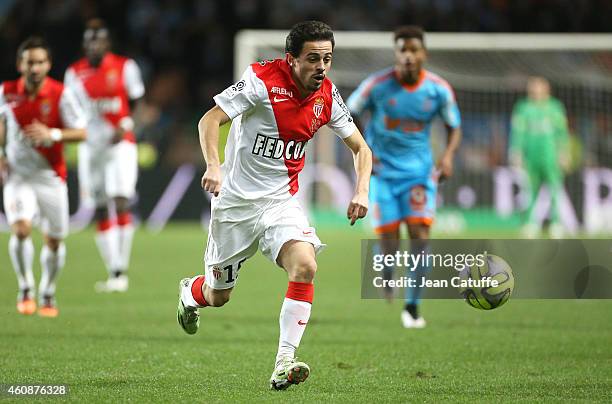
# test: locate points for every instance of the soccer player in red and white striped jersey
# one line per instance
(276, 109)
(108, 85)
(38, 115)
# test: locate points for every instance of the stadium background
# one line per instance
(127, 347)
(186, 52)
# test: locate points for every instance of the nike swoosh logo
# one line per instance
(280, 99)
(300, 322)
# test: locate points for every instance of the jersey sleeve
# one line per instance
(74, 84)
(71, 111)
(132, 79)
(241, 96)
(449, 111)
(517, 128)
(341, 121)
(359, 100)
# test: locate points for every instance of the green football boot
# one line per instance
(187, 317)
(288, 371)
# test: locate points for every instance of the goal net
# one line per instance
(488, 73)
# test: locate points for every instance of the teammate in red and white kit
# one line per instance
(107, 84)
(38, 115)
(276, 108)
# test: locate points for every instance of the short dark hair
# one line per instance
(306, 31)
(33, 42)
(409, 32)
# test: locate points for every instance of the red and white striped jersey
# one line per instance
(54, 106)
(105, 91)
(271, 126)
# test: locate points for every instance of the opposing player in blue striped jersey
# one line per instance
(402, 102)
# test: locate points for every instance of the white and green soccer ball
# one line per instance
(488, 297)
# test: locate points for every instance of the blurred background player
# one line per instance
(108, 85)
(403, 101)
(38, 115)
(539, 144)
(276, 108)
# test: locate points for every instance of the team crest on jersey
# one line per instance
(217, 272)
(418, 198)
(112, 77)
(317, 108)
(45, 107)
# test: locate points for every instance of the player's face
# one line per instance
(34, 65)
(538, 88)
(312, 65)
(95, 48)
(410, 55)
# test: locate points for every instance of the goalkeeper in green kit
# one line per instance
(539, 144)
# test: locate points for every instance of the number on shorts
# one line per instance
(230, 271)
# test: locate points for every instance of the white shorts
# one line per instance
(107, 173)
(42, 200)
(238, 228)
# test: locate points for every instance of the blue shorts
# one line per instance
(396, 201)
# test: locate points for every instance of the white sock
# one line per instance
(125, 235)
(51, 263)
(294, 316)
(108, 245)
(22, 255)
(187, 296)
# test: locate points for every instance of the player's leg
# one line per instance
(232, 239)
(420, 205)
(20, 208)
(554, 182)
(92, 185)
(386, 219)
(298, 259)
(291, 243)
(535, 180)
(122, 174)
(53, 204)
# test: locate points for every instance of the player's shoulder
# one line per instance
(9, 86)
(437, 80)
(54, 86)
(80, 64)
(379, 77)
(274, 70)
(556, 103)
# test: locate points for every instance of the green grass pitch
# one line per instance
(128, 347)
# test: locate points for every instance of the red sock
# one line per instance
(124, 218)
(196, 291)
(304, 292)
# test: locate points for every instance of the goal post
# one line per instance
(488, 73)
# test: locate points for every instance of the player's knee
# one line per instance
(122, 205)
(53, 243)
(22, 229)
(303, 270)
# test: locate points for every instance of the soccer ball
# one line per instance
(480, 293)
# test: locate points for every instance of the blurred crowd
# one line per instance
(185, 48)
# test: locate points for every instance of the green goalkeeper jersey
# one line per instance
(539, 132)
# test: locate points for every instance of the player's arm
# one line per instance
(517, 135)
(452, 120)
(3, 161)
(208, 128)
(132, 81)
(562, 138)
(445, 164)
(362, 157)
(73, 119)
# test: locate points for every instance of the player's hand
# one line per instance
(117, 136)
(516, 160)
(4, 170)
(38, 133)
(445, 167)
(211, 180)
(565, 161)
(358, 207)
